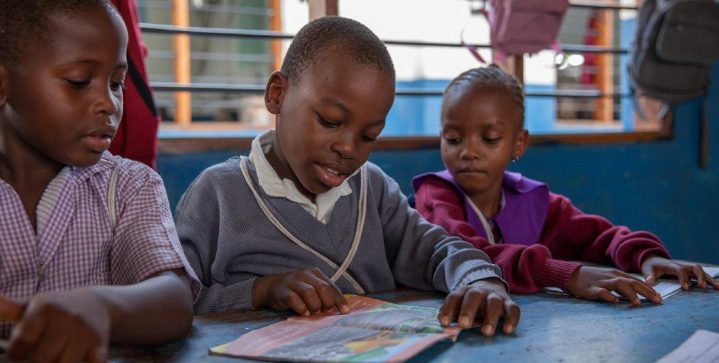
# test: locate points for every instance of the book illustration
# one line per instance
(375, 331)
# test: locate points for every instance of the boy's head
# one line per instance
(331, 98)
(482, 128)
(62, 66)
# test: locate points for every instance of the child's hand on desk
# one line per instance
(68, 326)
(487, 297)
(655, 267)
(305, 292)
(597, 283)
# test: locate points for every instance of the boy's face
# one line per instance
(63, 100)
(481, 132)
(327, 120)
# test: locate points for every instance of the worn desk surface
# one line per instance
(553, 328)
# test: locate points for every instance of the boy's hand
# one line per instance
(486, 299)
(655, 267)
(305, 292)
(596, 283)
(69, 326)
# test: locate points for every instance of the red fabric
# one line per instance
(568, 235)
(136, 136)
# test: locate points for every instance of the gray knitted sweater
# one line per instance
(230, 242)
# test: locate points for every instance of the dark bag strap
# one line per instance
(142, 88)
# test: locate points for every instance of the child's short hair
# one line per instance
(490, 77)
(348, 35)
(26, 21)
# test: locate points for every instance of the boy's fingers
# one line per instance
(511, 316)
(326, 290)
(51, 344)
(294, 302)
(25, 337)
(450, 308)
(472, 303)
(98, 355)
(10, 310)
(309, 295)
(73, 353)
(494, 309)
(342, 304)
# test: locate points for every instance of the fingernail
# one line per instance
(487, 330)
(444, 320)
(464, 322)
(306, 313)
(345, 309)
(509, 329)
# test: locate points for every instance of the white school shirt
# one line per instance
(273, 186)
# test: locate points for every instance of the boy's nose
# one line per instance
(107, 103)
(346, 147)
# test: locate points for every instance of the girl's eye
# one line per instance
(453, 140)
(116, 86)
(78, 84)
(492, 140)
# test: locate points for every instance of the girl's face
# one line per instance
(63, 100)
(481, 133)
(328, 120)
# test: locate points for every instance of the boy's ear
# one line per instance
(3, 84)
(521, 145)
(275, 91)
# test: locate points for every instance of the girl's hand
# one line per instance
(487, 300)
(305, 292)
(655, 267)
(596, 283)
(68, 326)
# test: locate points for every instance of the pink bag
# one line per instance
(525, 26)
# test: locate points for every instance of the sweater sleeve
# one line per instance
(573, 235)
(526, 268)
(422, 255)
(198, 223)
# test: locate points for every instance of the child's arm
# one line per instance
(423, 256)
(526, 268)
(78, 324)
(529, 268)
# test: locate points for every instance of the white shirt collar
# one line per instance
(273, 186)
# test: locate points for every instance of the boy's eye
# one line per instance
(369, 138)
(327, 124)
(492, 140)
(78, 84)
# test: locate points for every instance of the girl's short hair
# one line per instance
(490, 77)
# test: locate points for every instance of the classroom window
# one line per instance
(422, 70)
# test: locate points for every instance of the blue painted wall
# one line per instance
(656, 186)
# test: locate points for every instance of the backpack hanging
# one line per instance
(676, 44)
(524, 26)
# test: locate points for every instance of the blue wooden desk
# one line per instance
(553, 328)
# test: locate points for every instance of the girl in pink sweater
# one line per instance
(535, 236)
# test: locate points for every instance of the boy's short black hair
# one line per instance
(347, 35)
(24, 22)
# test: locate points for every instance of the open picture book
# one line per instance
(374, 330)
